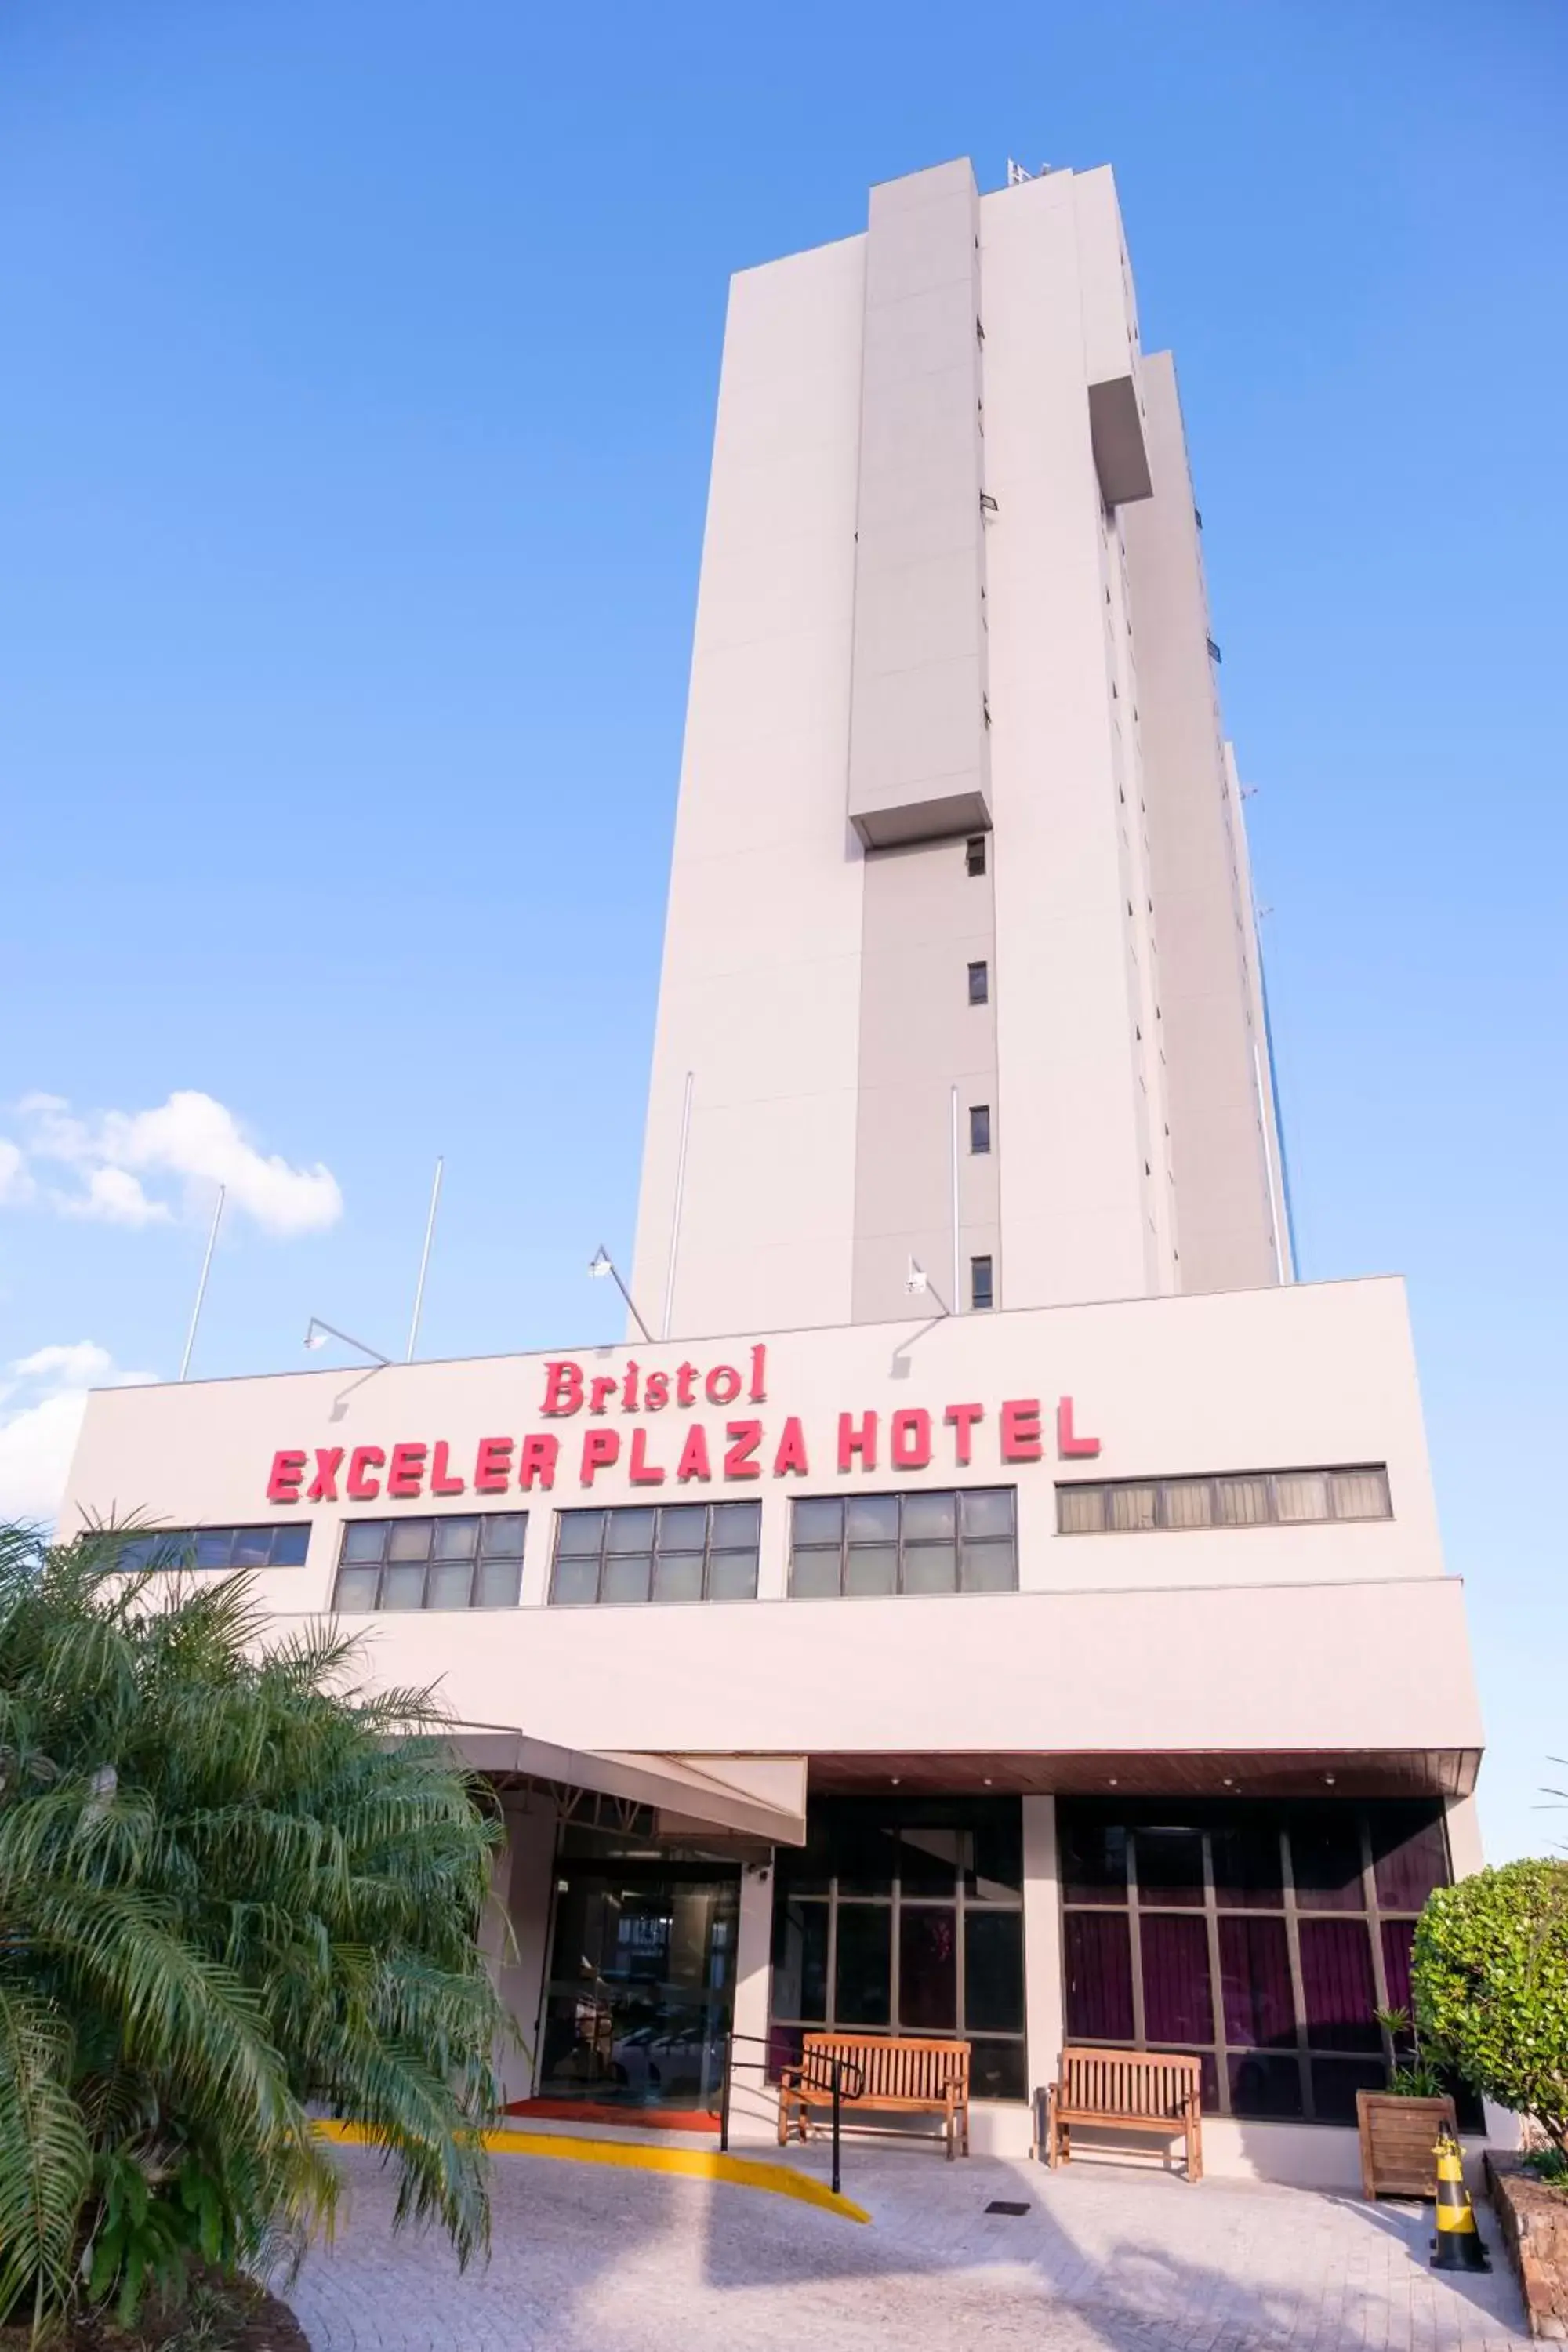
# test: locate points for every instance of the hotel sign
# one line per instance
(624, 1428)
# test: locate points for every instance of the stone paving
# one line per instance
(588, 2259)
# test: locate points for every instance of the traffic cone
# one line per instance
(1457, 2245)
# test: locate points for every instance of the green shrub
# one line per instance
(231, 1888)
(1490, 1982)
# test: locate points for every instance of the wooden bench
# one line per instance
(892, 2075)
(1126, 2089)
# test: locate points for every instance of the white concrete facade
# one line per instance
(950, 529)
(1279, 1657)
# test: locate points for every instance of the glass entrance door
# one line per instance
(641, 1983)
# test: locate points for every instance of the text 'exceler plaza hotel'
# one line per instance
(1000, 1601)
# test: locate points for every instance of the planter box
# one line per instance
(1532, 2218)
(1398, 2143)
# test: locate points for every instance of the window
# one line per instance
(980, 1127)
(468, 1562)
(980, 1292)
(280, 1546)
(671, 1552)
(1251, 1498)
(975, 847)
(979, 984)
(905, 1917)
(961, 1541)
(1263, 1939)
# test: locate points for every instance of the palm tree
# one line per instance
(233, 1889)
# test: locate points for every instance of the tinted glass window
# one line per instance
(672, 1553)
(930, 1540)
(467, 1560)
(1264, 1938)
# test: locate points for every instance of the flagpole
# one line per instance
(424, 1261)
(202, 1285)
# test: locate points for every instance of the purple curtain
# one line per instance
(1099, 1976)
(1337, 1984)
(1178, 2004)
(1408, 1870)
(1398, 1937)
(1255, 1978)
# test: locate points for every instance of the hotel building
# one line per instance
(998, 1600)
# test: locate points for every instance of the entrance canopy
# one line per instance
(760, 1797)
(1162, 1772)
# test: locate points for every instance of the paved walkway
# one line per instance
(588, 2260)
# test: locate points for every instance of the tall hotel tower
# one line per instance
(961, 963)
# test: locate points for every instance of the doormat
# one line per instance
(1003, 2205)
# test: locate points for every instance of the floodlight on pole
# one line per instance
(919, 1285)
(602, 1263)
(318, 1333)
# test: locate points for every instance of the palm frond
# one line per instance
(46, 2156)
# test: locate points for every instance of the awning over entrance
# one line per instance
(760, 1797)
(1169, 1773)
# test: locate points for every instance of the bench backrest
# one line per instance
(1130, 2082)
(890, 2068)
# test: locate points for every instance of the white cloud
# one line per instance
(114, 1197)
(192, 1139)
(15, 1183)
(42, 1398)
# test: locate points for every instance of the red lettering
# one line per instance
(287, 1469)
(563, 1388)
(441, 1480)
(757, 1393)
(405, 1478)
(722, 1385)
(693, 1462)
(598, 1390)
(1069, 1441)
(601, 1447)
(492, 1465)
(1021, 1429)
(324, 1484)
(747, 1436)
(642, 1472)
(861, 1440)
(908, 1439)
(656, 1396)
(630, 1388)
(538, 1460)
(963, 1418)
(790, 1454)
(685, 1377)
(361, 1488)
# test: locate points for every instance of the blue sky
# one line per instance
(353, 437)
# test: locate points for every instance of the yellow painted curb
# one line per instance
(689, 2163)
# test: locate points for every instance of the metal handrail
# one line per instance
(837, 2085)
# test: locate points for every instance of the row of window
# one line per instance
(1262, 1939)
(963, 1541)
(948, 1540)
(1253, 1498)
(905, 1917)
(282, 1545)
(472, 1560)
